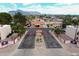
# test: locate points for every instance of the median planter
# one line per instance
(65, 39)
(0, 45)
(11, 42)
(78, 44)
(15, 40)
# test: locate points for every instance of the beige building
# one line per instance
(38, 23)
(46, 23)
(54, 24)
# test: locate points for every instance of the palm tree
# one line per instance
(67, 20)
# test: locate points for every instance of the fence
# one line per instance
(6, 43)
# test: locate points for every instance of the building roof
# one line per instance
(71, 26)
(1, 26)
(38, 22)
(58, 20)
(39, 31)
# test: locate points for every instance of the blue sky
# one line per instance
(46, 8)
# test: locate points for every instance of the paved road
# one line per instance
(42, 52)
(29, 40)
(50, 41)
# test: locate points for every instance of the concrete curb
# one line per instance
(52, 33)
(19, 42)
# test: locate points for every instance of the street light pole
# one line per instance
(76, 32)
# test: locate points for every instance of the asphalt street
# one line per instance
(29, 39)
(50, 41)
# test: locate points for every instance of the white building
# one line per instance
(71, 31)
(46, 23)
(54, 23)
(5, 30)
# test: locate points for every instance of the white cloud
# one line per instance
(39, 1)
(26, 4)
(67, 9)
(70, 9)
(62, 10)
(4, 8)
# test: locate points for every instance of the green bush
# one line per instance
(18, 28)
(59, 31)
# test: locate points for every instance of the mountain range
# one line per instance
(25, 12)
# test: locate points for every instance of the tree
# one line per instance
(67, 20)
(19, 23)
(5, 18)
(59, 31)
(75, 22)
(18, 28)
(19, 18)
(30, 17)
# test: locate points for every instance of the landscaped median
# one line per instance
(9, 41)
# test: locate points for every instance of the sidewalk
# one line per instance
(73, 51)
(41, 50)
(8, 51)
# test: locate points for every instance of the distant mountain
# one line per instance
(25, 12)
